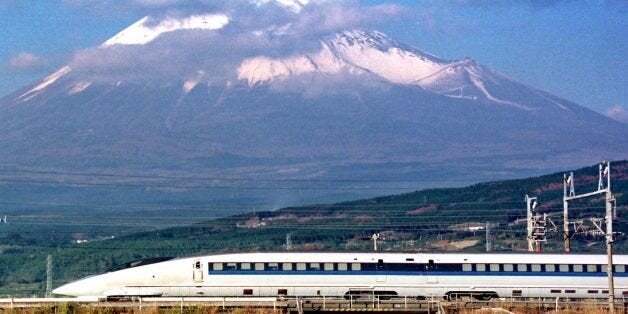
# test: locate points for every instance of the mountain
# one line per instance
(355, 105)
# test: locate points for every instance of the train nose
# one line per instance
(70, 289)
(77, 289)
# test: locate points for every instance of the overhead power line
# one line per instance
(218, 178)
(208, 187)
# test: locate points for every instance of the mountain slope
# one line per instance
(362, 106)
(427, 220)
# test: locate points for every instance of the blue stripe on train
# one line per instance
(405, 273)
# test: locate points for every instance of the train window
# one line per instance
(409, 259)
(301, 266)
(605, 291)
(577, 268)
(480, 267)
(287, 266)
(245, 266)
(550, 268)
(342, 266)
(466, 267)
(563, 268)
(282, 291)
(591, 268)
(535, 267)
(217, 266)
(556, 291)
(620, 268)
(516, 293)
(441, 267)
(328, 266)
(356, 266)
(273, 266)
(494, 267)
(231, 266)
(259, 266)
(591, 291)
(508, 267)
(570, 291)
(522, 267)
(247, 292)
(314, 266)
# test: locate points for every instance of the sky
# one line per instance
(577, 50)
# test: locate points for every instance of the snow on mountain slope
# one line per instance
(375, 52)
(142, 32)
(262, 69)
(355, 52)
(47, 81)
(360, 52)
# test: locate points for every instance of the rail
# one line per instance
(319, 303)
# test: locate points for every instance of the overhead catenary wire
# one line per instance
(219, 178)
(157, 221)
(204, 187)
(293, 208)
(63, 176)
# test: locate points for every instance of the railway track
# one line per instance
(310, 304)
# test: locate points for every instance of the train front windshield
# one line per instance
(139, 262)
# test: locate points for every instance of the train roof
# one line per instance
(362, 257)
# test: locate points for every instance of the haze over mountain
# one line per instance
(353, 104)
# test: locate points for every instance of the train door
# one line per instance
(197, 271)
(430, 270)
(380, 271)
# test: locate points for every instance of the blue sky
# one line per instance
(577, 50)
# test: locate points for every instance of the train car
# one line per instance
(356, 275)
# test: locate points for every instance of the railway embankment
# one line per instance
(194, 305)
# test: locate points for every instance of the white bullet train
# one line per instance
(355, 275)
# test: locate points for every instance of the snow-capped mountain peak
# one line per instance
(357, 51)
(143, 31)
(330, 118)
(363, 38)
(372, 52)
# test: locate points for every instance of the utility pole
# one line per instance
(606, 171)
(375, 237)
(288, 242)
(567, 180)
(530, 205)
(489, 245)
(49, 276)
(604, 187)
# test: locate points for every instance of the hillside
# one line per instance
(426, 220)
